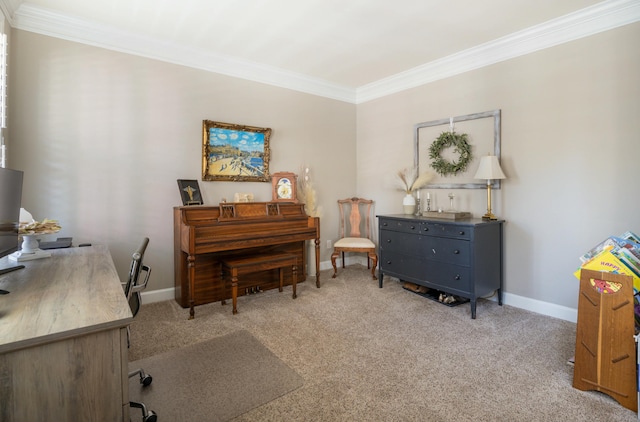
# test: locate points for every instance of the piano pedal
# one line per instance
(252, 290)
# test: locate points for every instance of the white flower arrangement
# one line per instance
(410, 181)
(307, 193)
(45, 226)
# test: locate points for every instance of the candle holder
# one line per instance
(428, 204)
(418, 212)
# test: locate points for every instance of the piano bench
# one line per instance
(236, 267)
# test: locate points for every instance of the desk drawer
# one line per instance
(443, 249)
(446, 230)
(400, 225)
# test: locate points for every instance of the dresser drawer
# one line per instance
(400, 242)
(446, 230)
(403, 266)
(443, 249)
(400, 225)
(451, 278)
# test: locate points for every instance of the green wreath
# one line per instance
(462, 147)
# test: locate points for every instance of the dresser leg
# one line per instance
(473, 308)
(380, 276)
(500, 297)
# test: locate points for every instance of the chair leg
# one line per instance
(333, 263)
(374, 259)
(147, 415)
(145, 379)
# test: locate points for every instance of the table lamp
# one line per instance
(489, 169)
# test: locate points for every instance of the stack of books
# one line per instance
(619, 255)
(615, 254)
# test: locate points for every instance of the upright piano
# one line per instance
(204, 235)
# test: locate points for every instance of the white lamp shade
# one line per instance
(489, 168)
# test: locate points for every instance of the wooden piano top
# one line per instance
(204, 229)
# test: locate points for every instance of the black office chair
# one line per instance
(132, 289)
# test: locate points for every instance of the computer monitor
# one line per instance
(10, 202)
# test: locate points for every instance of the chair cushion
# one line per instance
(354, 242)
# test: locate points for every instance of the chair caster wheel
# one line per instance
(146, 380)
(151, 417)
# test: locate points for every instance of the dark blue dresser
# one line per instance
(462, 257)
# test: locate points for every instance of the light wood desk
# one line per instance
(63, 339)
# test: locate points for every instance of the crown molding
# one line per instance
(45, 22)
(600, 17)
(583, 23)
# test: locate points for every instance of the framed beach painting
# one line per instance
(236, 153)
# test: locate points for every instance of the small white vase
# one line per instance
(30, 243)
(409, 204)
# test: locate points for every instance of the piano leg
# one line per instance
(191, 269)
(317, 242)
(294, 279)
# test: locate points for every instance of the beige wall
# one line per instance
(570, 150)
(103, 137)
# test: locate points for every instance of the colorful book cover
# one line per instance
(630, 236)
(606, 244)
(607, 261)
(627, 239)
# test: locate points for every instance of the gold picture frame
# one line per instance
(236, 153)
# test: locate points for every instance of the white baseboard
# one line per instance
(540, 307)
(533, 305)
(161, 295)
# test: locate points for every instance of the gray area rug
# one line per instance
(214, 380)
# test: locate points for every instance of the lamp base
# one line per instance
(489, 216)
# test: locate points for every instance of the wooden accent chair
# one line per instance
(356, 215)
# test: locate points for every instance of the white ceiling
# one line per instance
(352, 50)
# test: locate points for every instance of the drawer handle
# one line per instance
(461, 233)
(456, 252)
(433, 250)
(426, 229)
(457, 277)
(388, 262)
(388, 240)
(413, 227)
(384, 224)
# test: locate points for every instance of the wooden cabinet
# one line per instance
(463, 258)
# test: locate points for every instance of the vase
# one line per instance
(30, 249)
(30, 243)
(409, 204)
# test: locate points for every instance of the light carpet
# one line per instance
(213, 380)
(371, 354)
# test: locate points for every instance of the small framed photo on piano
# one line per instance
(190, 192)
